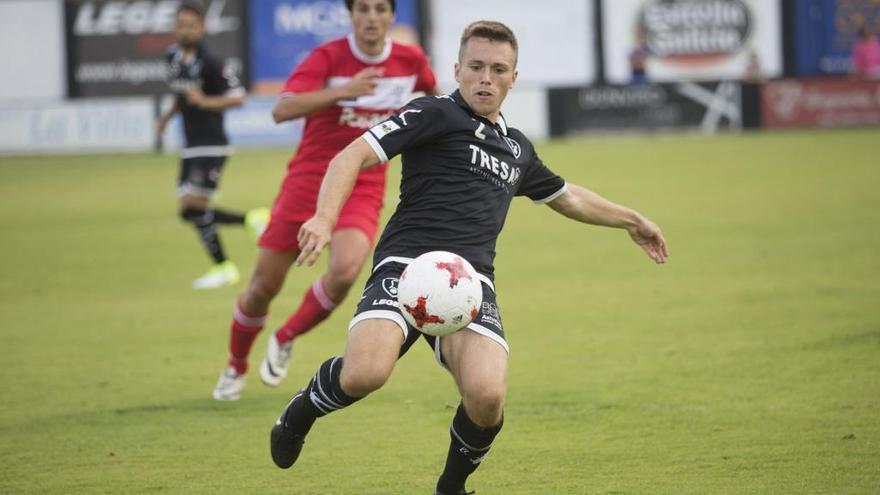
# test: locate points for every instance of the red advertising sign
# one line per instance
(820, 103)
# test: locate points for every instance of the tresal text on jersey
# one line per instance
(491, 163)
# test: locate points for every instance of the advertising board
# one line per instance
(556, 44)
(250, 125)
(283, 32)
(705, 106)
(81, 126)
(820, 103)
(118, 47)
(825, 31)
(692, 39)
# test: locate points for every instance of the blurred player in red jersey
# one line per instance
(342, 88)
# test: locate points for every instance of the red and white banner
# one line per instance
(820, 103)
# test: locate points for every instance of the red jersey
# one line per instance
(326, 132)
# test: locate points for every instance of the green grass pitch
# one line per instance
(748, 364)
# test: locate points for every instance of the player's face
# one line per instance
(485, 73)
(371, 20)
(188, 29)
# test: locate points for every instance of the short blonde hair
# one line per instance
(492, 31)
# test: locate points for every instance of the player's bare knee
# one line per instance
(187, 202)
(339, 279)
(261, 291)
(358, 381)
(485, 406)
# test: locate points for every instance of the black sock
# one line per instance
(469, 445)
(322, 396)
(226, 217)
(206, 226)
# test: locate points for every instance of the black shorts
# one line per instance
(379, 300)
(200, 176)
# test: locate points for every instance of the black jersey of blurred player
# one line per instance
(207, 71)
(460, 172)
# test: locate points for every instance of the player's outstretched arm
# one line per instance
(294, 106)
(163, 119)
(583, 205)
(338, 182)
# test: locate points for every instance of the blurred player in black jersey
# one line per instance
(462, 166)
(203, 89)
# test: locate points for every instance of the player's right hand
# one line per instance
(160, 126)
(313, 237)
(364, 82)
(649, 237)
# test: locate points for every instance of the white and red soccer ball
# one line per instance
(439, 293)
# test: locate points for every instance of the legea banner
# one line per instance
(118, 47)
(692, 39)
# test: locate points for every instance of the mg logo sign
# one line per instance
(322, 18)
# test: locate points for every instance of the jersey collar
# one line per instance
(367, 59)
(501, 124)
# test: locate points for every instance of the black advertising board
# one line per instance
(117, 48)
(705, 106)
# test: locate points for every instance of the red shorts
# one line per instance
(361, 211)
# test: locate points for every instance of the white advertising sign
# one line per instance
(124, 124)
(248, 126)
(692, 39)
(32, 37)
(555, 37)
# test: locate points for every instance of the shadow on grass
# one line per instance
(201, 405)
(862, 339)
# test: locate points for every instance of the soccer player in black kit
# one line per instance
(462, 165)
(203, 89)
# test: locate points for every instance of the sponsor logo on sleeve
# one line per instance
(384, 128)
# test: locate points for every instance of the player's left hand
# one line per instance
(195, 96)
(313, 237)
(648, 235)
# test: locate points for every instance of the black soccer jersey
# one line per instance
(460, 172)
(203, 129)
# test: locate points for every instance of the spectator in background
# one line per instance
(638, 59)
(753, 72)
(866, 55)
